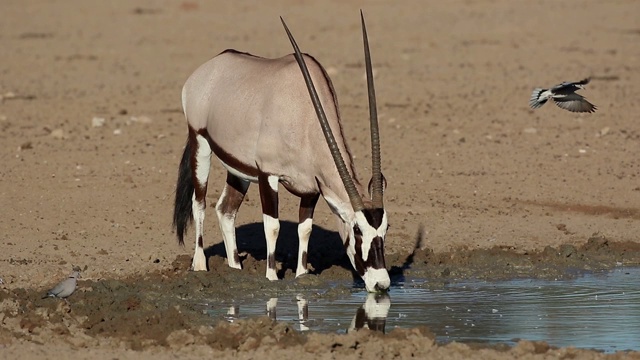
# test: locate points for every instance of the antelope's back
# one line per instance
(259, 111)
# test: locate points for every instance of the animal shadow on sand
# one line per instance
(325, 250)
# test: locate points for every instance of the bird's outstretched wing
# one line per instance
(569, 86)
(538, 98)
(575, 103)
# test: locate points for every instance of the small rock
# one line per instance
(26, 145)
(97, 122)
(57, 134)
(141, 119)
(117, 132)
(604, 131)
(530, 131)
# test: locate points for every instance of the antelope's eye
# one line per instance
(357, 231)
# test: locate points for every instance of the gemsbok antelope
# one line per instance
(254, 115)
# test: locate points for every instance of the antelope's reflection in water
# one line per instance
(371, 315)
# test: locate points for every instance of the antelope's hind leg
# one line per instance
(200, 166)
(305, 223)
(227, 208)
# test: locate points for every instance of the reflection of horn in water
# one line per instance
(373, 314)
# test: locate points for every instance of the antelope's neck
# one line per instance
(335, 193)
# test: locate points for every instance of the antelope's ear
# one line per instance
(370, 186)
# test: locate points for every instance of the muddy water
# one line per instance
(599, 310)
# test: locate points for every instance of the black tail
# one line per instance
(182, 213)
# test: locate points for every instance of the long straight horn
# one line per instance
(354, 196)
(376, 171)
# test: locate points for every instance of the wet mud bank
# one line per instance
(164, 308)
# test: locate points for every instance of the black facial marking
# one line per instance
(356, 230)
(375, 258)
(374, 216)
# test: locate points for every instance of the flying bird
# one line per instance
(564, 95)
(65, 288)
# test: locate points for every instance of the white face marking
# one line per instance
(369, 232)
(373, 277)
(273, 182)
(203, 156)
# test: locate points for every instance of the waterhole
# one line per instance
(599, 310)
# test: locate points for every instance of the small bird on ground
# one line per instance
(65, 288)
(564, 95)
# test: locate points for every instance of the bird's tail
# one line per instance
(539, 97)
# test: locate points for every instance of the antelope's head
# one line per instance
(365, 233)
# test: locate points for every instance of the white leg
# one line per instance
(268, 185)
(228, 228)
(202, 166)
(226, 209)
(304, 232)
(199, 260)
(271, 231)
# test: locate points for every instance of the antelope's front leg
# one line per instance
(305, 218)
(269, 197)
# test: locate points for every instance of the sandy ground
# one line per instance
(465, 158)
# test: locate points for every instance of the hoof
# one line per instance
(301, 272)
(199, 262)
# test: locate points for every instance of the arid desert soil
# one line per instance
(479, 185)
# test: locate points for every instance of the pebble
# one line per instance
(141, 119)
(57, 134)
(97, 122)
